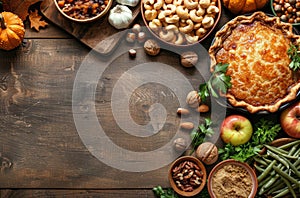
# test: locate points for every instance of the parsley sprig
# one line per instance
(200, 134)
(218, 81)
(294, 55)
(265, 132)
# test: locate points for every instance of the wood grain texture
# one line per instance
(37, 131)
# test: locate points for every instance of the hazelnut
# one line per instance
(203, 108)
(141, 37)
(151, 47)
(180, 144)
(207, 152)
(187, 125)
(193, 99)
(130, 38)
(132, 53)
(188, 59)
(136, 28)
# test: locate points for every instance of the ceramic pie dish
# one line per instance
(256, 48)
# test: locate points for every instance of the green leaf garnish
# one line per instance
(294, 55)
(218, 81)
(265, 132)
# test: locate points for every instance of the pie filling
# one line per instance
(256, 49)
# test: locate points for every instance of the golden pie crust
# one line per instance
(256, 49)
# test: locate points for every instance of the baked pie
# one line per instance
(256, 49)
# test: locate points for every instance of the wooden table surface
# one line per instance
(41, 152)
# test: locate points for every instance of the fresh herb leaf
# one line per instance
(161, 193)
(199, 135)
(294, 55)
(218, 81)
(265, 132)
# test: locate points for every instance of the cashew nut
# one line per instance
(208, 22)
(172, 27)
(179, 39)
(182, 12)
(204, 3)
(170, 7)
(148, 4)
(188, 28)
(177, 2)
(166, 35)
(150, 14)
(172, 19)
(200, 11)
(155, 25)
(190, 4)
(197, 25)
(168, 1)
(159, 4)
(163, 14)
(201, 32)
(191, 38)
(212, 9)
(195, 17)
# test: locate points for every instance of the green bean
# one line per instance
(297, 153)
(267, 171)
(289, 187)
(271, 181)
(278, 191)
(293, 150)
(282, 193)
(285, 146)
(278, 185)
(278, 158)
(280, 152)
(286, 176)
(263, 182)
(258, 168)
(258, 160)
(294, 168)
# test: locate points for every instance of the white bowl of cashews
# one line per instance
(181, 22)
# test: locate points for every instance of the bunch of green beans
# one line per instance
(278, 170)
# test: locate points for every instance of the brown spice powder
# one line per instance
(232, 181)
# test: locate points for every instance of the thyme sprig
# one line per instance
(217, 81)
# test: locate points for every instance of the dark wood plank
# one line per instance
(37, 131)
(56, 193)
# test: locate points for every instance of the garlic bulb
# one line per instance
(131, 3)
(120, 16)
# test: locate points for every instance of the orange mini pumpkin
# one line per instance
(244, 6)
(12, 31)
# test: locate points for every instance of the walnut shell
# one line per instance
(151, 47)
(188, 59)
(207, 152)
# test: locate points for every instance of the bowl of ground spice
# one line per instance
(83, 10)
(231, 178)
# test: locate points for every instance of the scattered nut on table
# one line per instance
(183, 111)
(188, 59)
(132, 53)
(203, 108)
(131, 37)
(180, 144)
(151, 47)
(207, 152)
(193, 99)
(187, 125)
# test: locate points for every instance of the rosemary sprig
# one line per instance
(294, 55)
(218, 81)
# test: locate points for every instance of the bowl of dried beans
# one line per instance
(83, 10)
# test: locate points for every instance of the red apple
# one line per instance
(236, 129)
(290, 120)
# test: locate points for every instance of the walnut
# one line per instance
(207, 152)
(193, 99)
(151, 47)
(188, 59)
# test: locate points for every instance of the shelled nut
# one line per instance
(203, 108)
(183, 111)
(187, 125)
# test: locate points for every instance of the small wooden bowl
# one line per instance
(217, 18)
(275, 14)
(172, 182)
(227, 162)
(100, 15)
